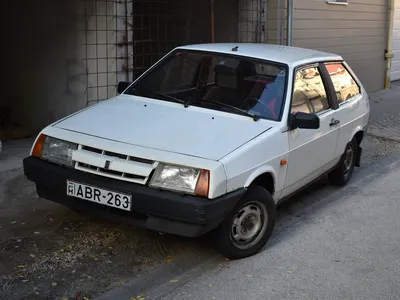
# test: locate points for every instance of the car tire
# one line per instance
(342, 174)
(248, 227)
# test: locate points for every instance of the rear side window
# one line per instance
(346, 87)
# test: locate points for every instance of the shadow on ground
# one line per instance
(50, 252)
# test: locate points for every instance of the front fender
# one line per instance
(260, 171)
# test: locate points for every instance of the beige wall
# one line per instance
(276, 22)
(395, 71)
(357, 31)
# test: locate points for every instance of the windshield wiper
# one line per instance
(164, 96)
(168, 97)
(242, 111)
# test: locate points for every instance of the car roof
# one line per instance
(291, 56)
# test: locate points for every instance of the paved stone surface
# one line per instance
(385, 113)
(13, 152)
(385, 102)
(387, 127)
(344, 247)
(375, 148)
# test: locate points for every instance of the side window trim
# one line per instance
(324, 112)
(330, 90)
(350, 99)
(351, 74)
(307, 66)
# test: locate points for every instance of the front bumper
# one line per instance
(153, 209)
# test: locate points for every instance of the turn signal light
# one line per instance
(203, 184)
(37, 149)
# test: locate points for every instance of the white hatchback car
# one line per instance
(209, 139)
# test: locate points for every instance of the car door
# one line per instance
(350, 110)
(311, 151)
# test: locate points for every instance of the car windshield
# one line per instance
(227, 83)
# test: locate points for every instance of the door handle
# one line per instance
(334, 122)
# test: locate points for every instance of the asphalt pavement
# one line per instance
(329, 243)
(346, 246)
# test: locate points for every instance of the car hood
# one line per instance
(166, 126)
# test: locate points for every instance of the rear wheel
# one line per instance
(246, 230)
(344, 171)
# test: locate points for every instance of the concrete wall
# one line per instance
(106, 47)
(260, 21)
(64, 55)
(226, 21)
(41, 60)
(252, 21)
(357, 31)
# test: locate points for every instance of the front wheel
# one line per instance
(247, 229)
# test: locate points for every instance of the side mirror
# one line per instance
(303, 120)
(122, 86)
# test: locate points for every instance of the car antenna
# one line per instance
(235, 48)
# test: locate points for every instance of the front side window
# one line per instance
(309, 93)
(345, 86)
(215, 81)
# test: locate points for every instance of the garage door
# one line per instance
(395, 73)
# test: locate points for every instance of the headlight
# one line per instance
(54, 150)
(181, 178)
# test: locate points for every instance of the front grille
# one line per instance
(122, 166)
(119, 155)
(91, 149)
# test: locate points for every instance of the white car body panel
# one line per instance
(291, 56)
(309, 150)
(217, 181)
(236, 149)
(261, 155)
(166, 126)
(353, 115)
(351, 121)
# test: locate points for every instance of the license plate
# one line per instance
(98, 195)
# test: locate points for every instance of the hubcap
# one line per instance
(249, 225)
(348, 160)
